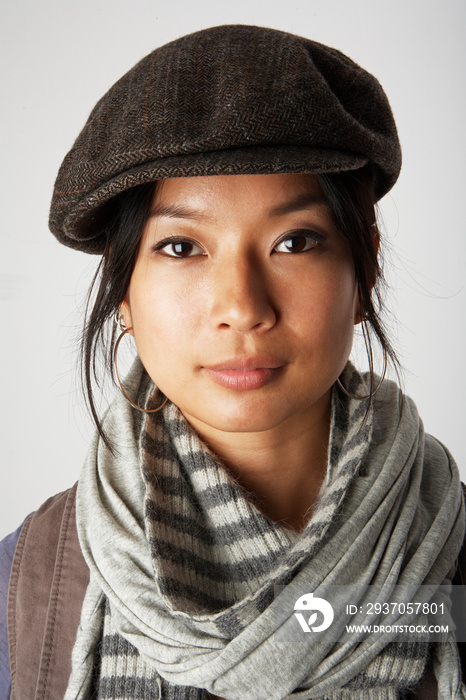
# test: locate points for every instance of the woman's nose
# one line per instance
(241, 298)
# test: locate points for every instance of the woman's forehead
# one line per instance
(198, 197)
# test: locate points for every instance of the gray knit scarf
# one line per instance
(184, 564)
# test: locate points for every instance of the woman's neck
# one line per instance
(283, 468)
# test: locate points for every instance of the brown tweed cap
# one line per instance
(227, 100)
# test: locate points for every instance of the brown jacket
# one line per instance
(48, 581)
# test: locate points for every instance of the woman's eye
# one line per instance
(298, 242)
(178, 248)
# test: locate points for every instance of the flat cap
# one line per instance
(226, 100)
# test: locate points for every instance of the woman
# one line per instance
(229, 180)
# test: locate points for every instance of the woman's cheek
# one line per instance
(165, 321)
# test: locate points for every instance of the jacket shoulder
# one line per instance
(48, 581)
(460, 580)
(7, 552)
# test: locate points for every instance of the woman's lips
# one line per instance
(245, 374)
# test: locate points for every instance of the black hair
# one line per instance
(108, 289)
(351, 198)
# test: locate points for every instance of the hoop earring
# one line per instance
(373, 393)
(119, 321)
(115, 353)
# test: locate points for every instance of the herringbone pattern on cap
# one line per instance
(226, 100)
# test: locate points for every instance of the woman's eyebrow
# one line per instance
(302, 201)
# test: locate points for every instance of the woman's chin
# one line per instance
(248, 416)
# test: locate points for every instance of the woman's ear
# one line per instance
(357, 309)
(371, 278)
(125, 313)
(376, 242)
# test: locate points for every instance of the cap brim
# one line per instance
(82, 225)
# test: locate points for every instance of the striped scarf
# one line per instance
(184, 565)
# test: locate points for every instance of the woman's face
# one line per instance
(243, 299)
